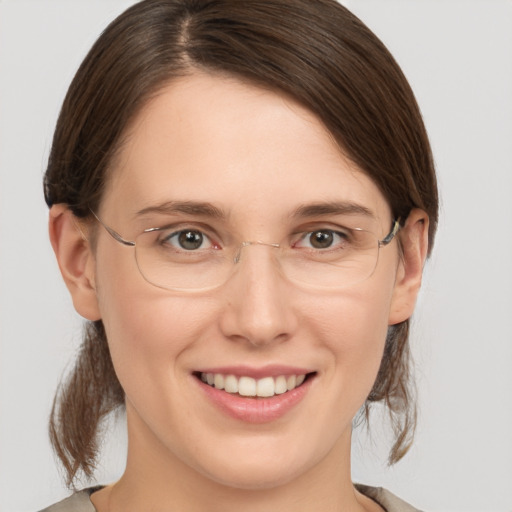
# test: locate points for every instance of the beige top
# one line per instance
(80, 501)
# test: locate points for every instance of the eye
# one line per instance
(187, 240)
(322, 239)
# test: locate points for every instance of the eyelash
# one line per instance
(337, 237)
(175, 234)
(341, 235)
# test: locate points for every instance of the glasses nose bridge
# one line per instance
(247, 243)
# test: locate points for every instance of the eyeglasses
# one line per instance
(190, 259)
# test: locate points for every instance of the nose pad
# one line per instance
(238, 253)
(258, 307)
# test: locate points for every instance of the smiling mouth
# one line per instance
(249, 387)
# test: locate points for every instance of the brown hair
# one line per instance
(315, 51)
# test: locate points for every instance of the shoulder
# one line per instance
(81, 502)
(388, 501)
(78, 502)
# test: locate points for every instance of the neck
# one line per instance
(156, 479)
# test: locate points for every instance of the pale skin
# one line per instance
(257, 156)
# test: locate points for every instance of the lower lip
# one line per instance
(256, 410)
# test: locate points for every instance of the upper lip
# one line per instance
(257, 372)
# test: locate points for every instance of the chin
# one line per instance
(254, 470)
(252, 477)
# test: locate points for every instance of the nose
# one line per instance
(258, 300)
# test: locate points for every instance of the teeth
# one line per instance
(265, 387)
(231, 384)
(218, 381)
(247, 386)
(280, 386)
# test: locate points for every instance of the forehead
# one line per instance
(216, 139)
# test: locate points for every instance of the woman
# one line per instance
(242, 199)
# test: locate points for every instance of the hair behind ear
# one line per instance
(87, 396)
(394, 387)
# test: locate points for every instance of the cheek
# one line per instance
(352, 329)
(147, 328)
(153, 335)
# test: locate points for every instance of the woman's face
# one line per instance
(255, 159)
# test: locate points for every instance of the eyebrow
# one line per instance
(205, 209)
(202, 209)
(332, 208)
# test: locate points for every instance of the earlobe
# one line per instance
(414, 248)
(75, 259)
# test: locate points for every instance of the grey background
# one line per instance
(457, 55)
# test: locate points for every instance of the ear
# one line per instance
(414, 247)
(75, 259)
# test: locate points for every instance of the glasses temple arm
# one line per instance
(394, 230)
(114, 234)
